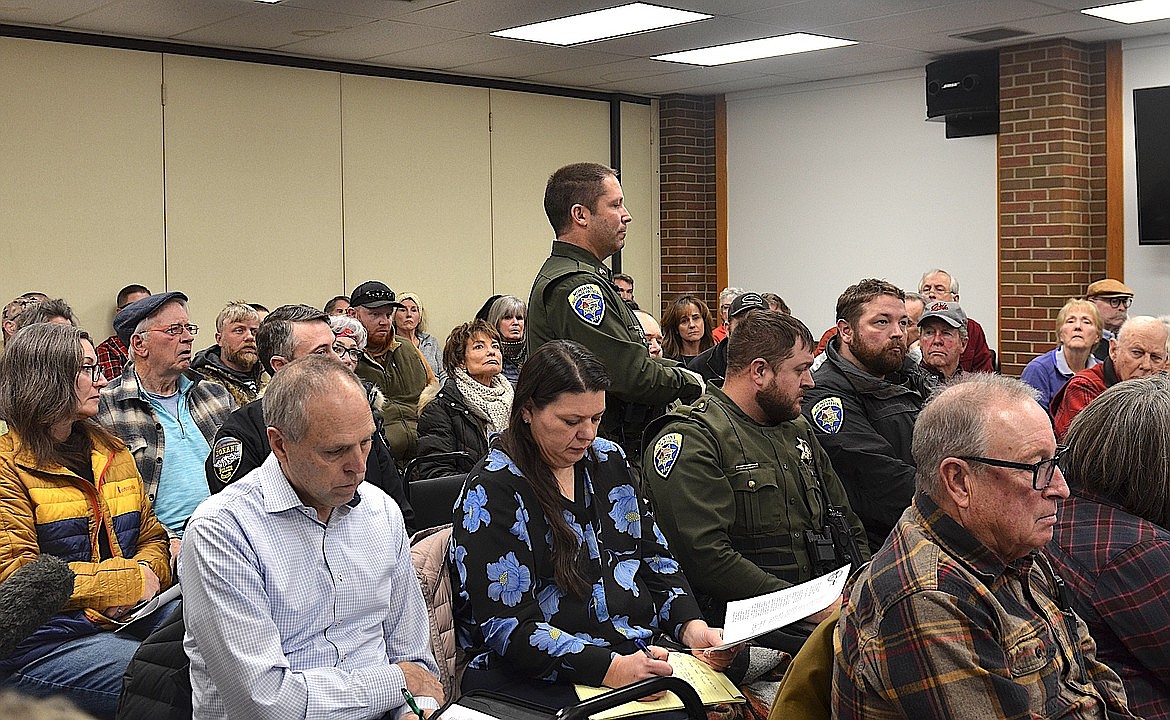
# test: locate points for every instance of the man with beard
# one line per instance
(232, 361)
(867, 397)
(741, 488)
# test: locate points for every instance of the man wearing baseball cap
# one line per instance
(942, 337)
(1112, 298)
(395, 366)
(712, 362)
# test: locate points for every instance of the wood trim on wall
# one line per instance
(721, 271)
(1114, 164)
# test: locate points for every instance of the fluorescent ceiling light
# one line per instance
(755, 49)
(601, 24)
(1132, 12)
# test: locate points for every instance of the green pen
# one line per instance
(413, 705)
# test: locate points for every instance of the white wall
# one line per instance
(1145, 63)
(832, 182)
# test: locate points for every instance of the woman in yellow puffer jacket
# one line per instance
(70, 489)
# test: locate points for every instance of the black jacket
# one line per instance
(157, 683)
(448, 425)
(866, 425)
(711, 363)
(241, 446)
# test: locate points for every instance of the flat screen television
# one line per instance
(1151, 125)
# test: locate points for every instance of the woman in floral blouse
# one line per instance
(559, 569)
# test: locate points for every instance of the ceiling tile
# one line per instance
(373, 39)
(464, 51)
(157, 18)
(31, 12)
(715, 31)
(960, 17)
(539, 61)
(485, 16)
(271, 26)
(808, 14)
(374, 9)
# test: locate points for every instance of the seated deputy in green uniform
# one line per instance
(744, 493)
(574, 298)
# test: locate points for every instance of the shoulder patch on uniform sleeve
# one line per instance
(666, 451)
(225, 457)
(587, 302)
(828, 415)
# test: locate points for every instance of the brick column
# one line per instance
(686, 131)
(1052, 233)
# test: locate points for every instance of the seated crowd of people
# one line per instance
(994, 572)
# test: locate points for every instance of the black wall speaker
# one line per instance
(963, 90)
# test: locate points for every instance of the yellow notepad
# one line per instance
(713, 688)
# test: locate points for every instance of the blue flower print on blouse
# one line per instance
(497, 631)
(586, 637)
(621, 623)
(624, 572)
(625, 513)
(458, 556)
(604, 447)
(550, 600)
(520, 527)
(509, 579)
(572, 522)
(499, 461)
(591, 542)
(664, 613)
(659, 536)
(475, 509)
(598, 604)
(555, 641)
(662, 565)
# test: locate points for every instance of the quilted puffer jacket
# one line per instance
(428, 551)
(52, 511)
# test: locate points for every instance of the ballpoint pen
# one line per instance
(413, 705)
(642, 646)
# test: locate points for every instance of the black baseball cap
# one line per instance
(373, 294)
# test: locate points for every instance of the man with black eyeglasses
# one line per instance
(958, 614)
(157, 401)
(1112, 298)
(288, 333)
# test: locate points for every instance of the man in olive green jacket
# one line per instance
(740, 486)
(574, 298)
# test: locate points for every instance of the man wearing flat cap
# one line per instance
(393, 364)
(712, 362)
(158, 400)
(942, 337)
(1112, 298)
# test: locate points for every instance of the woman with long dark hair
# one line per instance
(1111, 544)
(686, 328)
(560, 568)
(70, 489)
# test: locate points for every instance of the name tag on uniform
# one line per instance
(746, 466)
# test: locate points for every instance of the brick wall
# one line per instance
(1051, 189)
(686, 132)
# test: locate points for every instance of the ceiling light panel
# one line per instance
(1132, 12)
(602, 24)
(755, 49)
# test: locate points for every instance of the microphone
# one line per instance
(30, 597)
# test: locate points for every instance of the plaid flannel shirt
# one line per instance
(126, 412)
(937, 626)
(1115, 564)
(112, 355)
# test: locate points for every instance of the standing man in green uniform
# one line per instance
(574, 298)
(740, 486)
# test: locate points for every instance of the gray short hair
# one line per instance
(341, 323)
(957, 421)
(45, 311)
(1119, 447)
(932, 271)
(290, 393)
(504, 307)
(730, 293)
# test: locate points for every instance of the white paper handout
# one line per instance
(753, 617)
(150, 606)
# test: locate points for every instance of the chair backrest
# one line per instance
(428, 551)
(433, 499)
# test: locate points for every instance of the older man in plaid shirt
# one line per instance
(958, 615)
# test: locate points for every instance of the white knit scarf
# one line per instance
(493, 402)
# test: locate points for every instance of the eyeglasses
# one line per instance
(175, 330)
(344, 353)
(95, 371)
(1042, 471)
(1117, 302)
